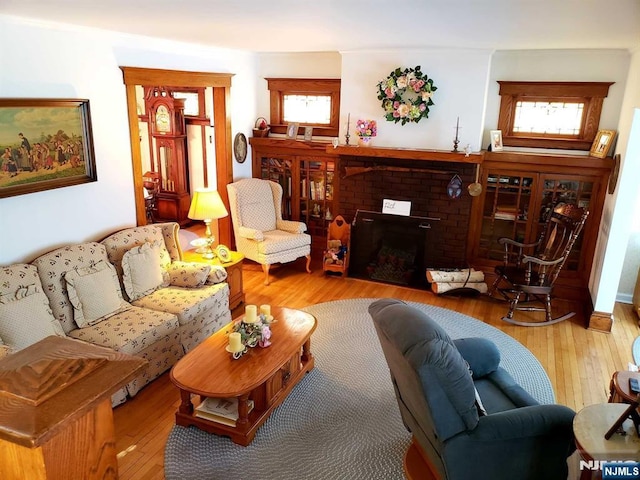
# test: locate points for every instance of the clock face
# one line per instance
(163, 120)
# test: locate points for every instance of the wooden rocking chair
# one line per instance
(532, 269)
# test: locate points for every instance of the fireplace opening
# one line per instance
(390, 248)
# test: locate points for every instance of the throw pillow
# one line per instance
(94, 293)
(25, 318)
(218, 274)
(142, 273)
(188, 275)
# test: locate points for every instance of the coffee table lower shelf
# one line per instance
(266, 397)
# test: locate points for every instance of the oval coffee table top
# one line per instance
(211, 371)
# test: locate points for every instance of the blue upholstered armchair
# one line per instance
(437, 382)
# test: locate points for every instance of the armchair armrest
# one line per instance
(481, 354)
(291, 226)
(251, 233)
(518, 423)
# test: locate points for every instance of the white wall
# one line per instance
(461, 78)
(617, 249)
(54, 61)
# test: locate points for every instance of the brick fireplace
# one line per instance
(366, 180)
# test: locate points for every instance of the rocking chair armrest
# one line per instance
(539, 261)
(509, 242)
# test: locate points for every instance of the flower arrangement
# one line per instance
(366, 128)
(406, 95)
(255, 333)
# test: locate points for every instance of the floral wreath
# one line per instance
(406, 95)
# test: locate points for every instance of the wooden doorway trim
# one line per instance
(221, 84)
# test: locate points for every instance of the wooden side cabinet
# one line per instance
(234, 274)
(56, 420)
(309, 180)
(518, 189)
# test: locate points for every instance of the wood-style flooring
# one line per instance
(579, 362)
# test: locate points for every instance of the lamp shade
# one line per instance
(206, 204)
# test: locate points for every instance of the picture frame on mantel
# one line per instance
(45, 144)
(292, 130)
(496, 140)
(602, 143)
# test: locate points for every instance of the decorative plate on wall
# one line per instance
(240, 147)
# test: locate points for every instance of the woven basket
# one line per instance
(257, 132)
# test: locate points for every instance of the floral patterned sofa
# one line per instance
(130, 292)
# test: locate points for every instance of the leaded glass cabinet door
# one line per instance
(555, 189)
(317, 194)
(506, 210)
(278, 169)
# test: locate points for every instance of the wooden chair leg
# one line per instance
(265, 269)
(309, 263)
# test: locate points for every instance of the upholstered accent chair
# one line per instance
(261, 233)
(468, 417)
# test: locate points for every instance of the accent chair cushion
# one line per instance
(94, 293)
(218, 274)
(255, 204)
(188, 274)
(25, 318)
(142, 271)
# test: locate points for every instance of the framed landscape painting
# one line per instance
(44, 144)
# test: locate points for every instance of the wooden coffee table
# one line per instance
(264, 375)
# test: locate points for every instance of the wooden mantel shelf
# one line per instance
(406, 154)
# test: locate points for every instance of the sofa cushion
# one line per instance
(52, 268)
(218, 274)
(188, 274)
(130, 331)
(186, 303)
(25, 318)
(142, 270)
(94, 293)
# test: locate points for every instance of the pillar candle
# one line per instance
(235, 342)
(265, 309)
(250, 313)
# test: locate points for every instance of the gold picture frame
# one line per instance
(224, 254)
(602, 143)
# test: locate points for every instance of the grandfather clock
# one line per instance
(168, 132)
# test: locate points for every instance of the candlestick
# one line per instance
(235, 342)
(346, 137)
(265, 309)
(250, 314)
(456, 141)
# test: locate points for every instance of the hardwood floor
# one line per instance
(579, 362)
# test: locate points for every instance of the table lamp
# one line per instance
(206, 205)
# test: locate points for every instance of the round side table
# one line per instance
(589, 426)
(619, 390)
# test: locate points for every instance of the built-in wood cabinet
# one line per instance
(518, 191)
(309, 180)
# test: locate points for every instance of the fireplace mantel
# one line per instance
(372, 153)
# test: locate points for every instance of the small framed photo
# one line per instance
(308, 134)
(223, 253)
(292, 130)
(496, 140)
(602, 143)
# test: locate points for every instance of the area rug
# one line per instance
(342, 419)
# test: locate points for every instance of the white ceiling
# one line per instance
(341, 25)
